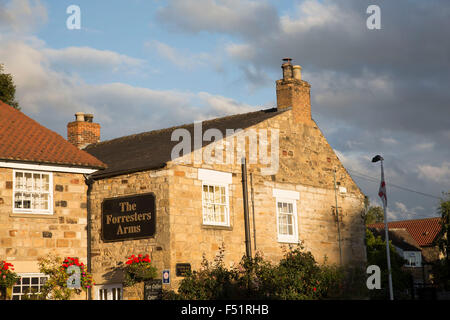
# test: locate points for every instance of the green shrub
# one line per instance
(296, 276)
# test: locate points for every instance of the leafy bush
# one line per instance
(296, 276)
(376, 255)
(56, 286)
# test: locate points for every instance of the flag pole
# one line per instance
(383, 196)
(386, 231)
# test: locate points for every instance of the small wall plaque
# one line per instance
(182, 269)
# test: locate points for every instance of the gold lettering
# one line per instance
(119, 230)
(108, 219)
(126, 206)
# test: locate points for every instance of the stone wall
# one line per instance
(307, 165)
(26, 237)
(108, 258)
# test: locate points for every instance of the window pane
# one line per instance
(25, 280)
(19, 180)
(26, 200)
(290, 210)
(46, 182)
(37, 182)
(28, 181)
(18, 200)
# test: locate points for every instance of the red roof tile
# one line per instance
(424, 231)
(23, 139)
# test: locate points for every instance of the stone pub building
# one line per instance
(177, 193)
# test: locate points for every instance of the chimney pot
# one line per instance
(297, 72)
(287, 68)
(293, 92)
(79, 116)
(88, 117)
(83, 131)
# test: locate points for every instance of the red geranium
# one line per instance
(138, 268)
(138, 259)
(86, 279)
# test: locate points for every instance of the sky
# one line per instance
(143, 65)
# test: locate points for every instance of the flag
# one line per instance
(382, 190)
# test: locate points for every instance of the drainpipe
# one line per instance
(248, 248)
(337, 215)
(253, 210)
(89, 181)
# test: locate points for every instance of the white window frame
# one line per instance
(220, 179)
(49, 211)
(28, 275)
(99, 293)
(413, 255)
(287, 196)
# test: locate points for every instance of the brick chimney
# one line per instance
(294, 92)
(82, 132)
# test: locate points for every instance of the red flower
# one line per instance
(314, 289)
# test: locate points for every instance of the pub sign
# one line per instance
(128, 218)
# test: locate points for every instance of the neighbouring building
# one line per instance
(416, 241)
(43, 197)
(177, 193)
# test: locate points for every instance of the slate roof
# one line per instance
(152, 150)
(424, 231)
(24, 140)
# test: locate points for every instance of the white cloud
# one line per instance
(240, 17)
(312, 13)
(438, 174)
(20, 16)
(182, 59)
(426, 146)
(86, 58)
(390, 141)
(52, 96)
(224, 106)
(242, 51)
(400, 211)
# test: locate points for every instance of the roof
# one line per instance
(399, 237)
(24, 140)
(152, 150)
(424, 231)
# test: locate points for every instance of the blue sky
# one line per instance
(144, 65)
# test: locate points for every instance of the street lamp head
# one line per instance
(377, 158)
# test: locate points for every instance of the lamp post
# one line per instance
(382, 194)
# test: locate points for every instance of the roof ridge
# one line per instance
(397, 221)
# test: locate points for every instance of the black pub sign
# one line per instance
(128, 218)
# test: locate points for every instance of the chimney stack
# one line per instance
(83, 131)
(294, 92)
